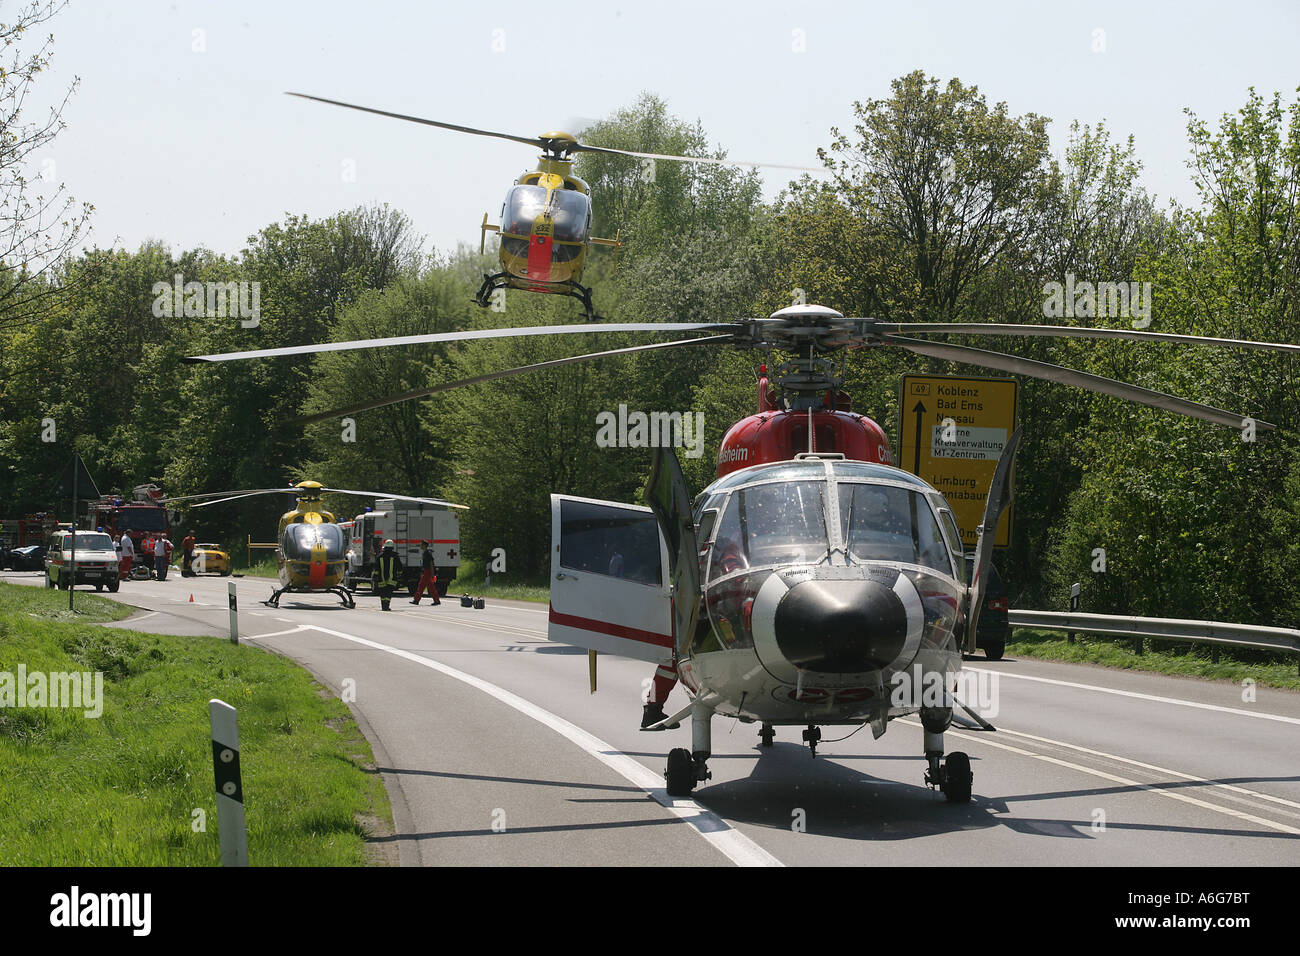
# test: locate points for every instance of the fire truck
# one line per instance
(140, 517)
(408, 524)
(34, 529)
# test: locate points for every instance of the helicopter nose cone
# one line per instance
(841, 627)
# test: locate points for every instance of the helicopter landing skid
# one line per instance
(500, 280)
(340, 592)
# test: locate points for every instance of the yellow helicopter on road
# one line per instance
(545, 225)
(312, 548)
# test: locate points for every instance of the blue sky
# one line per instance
(180, 130)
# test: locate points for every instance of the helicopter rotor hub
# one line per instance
(809, 329)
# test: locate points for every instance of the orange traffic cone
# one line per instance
(191, 598)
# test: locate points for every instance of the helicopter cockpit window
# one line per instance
(889, 523)
(616, 542)
(300, 539)
(571, 212)
(780, 523)
(523, 205)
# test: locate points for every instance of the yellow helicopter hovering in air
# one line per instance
(545, 225)
(311, 548)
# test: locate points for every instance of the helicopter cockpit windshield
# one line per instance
(300, 539)
(523, 205)
(569, 210)
(890, 523)
(778, 523)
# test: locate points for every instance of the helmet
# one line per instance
(389, 543)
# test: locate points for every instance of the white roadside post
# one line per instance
(230, 792)
(1074, 607)
(234, 614)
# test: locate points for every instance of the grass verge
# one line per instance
(134, 787)
(506, 592)
(1162, 657)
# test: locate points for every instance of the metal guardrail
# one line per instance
(1162, 628)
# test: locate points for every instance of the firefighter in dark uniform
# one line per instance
(388, 571)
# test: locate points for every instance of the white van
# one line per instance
(97, 561)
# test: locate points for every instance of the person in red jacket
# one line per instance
(187, 561)
(428, 576)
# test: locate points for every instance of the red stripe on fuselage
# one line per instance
(539, 258)
(615, 630)
(316, 576)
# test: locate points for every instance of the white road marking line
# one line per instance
(1160, 791)
(292, 630)
(733, 844)
(1153, 767)
(500, 628)
(1129, 693)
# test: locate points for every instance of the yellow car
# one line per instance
(208, 559)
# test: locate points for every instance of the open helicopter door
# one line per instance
(609, 579)
(670, 500)
(999, 498)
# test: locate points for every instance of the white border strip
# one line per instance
(728, 841)
(1157, 789)
(1153, 697)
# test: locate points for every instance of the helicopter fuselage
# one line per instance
(830, 592)
(312, 549)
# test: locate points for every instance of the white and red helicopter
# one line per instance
(812, 581)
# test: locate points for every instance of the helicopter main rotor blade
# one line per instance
(527, 140)
(250, 494)
(547, 144)
(490, 376)
(385, 494)
(242, 493)
(466, 337)
(1076, 332)
(1085, 380)
(709, 160)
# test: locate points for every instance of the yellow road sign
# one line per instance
(951, 432)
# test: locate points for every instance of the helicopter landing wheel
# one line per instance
(957, 778)
(766, 735)
(274, 599)
(680, 773)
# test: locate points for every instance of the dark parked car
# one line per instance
(30, 558)
(993, 627)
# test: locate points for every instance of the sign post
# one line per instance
(230, 791)
(70, 482)
(1074, 607)
(951, 432)
(234, 614)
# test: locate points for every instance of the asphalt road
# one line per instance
(494, 752)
